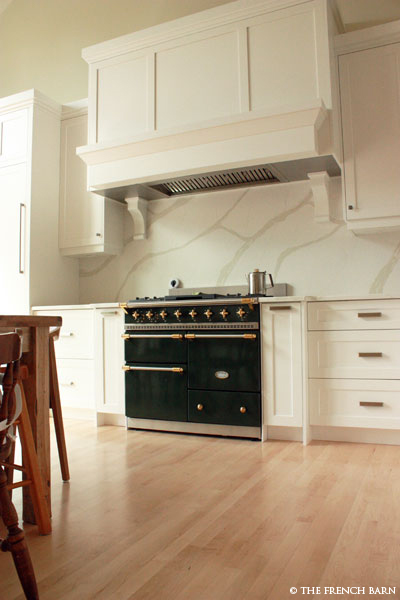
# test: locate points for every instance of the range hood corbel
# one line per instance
(321, 190)
(137, 198)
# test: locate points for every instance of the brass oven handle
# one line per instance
(280, 308)
(237, 336)
(370, 354)
(169, 336)
(369, 314)
(167, 369)
(371, 403)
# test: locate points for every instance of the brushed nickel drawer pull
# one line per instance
(280, 308)
(370, 354)
(371, 403)
(369, 314)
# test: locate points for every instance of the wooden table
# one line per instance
(35, 354)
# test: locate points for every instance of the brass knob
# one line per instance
(149, 314)
(135, 315)
(200, 407)
(193, 313)
(243, 409)
(224, 313)
(178, 314)
(208, 313)
(241, 312)
(163, 314)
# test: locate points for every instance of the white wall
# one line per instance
(41, 40)
(215, 238)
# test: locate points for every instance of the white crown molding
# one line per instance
(172, 30)
(78, 108)
(29, 98)
(371, 37)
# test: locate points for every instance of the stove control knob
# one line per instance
(163, 314)
(224, 313)
(149, 314)
(241, 312)
(193, 313)
(200, 407)
(208, 313)
(178, 313)
(135, 315)
(243, 409)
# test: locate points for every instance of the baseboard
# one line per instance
(110, 419)
(355, 434)
(84, 414)
(291, 434)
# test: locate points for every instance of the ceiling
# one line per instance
(356, 14)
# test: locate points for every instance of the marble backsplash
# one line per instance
(216, 238)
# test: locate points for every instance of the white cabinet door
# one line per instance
(13, 136)
(109, 360)
(370, 101)
(81, 213)
(14, 280)
(282, 379)
(89, 224)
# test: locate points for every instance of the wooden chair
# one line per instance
(55, 405)
(10, 353)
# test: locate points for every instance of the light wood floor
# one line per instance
(152, 516)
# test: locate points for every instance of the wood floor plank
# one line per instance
(149, 515)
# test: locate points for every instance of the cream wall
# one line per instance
(41, 40)
(215, 238)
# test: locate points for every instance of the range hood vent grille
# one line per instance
(218, 180)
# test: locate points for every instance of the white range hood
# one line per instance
(237, 95)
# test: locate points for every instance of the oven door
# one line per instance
(148, 347)
(227, 361)
(155, 391)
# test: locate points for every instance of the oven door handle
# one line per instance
(216, 336)
(167, 369)
(162, 336)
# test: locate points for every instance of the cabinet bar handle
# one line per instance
(21, 257)
(110, 312)
(371, 403)
(66, 333)
(169, 369)
(280, 308)
(68, 383)
(369, 314)
(370, 354)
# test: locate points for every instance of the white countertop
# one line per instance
(267, 299)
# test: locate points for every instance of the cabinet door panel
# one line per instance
(109, 359)
(14, 281)
(13, 136)
(370, 87)
(81, 213)
(282, 381)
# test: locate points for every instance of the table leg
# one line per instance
(37, 393)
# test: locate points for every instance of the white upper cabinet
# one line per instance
(370, 102)
(89, 224)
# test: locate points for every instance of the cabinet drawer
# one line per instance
(360, 314)
(224, 408)
(355, 403)
(77, 333)
(354, 355)
(76, 383)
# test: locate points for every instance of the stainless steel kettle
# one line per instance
(257, 282)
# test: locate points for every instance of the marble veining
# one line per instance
(215, 238)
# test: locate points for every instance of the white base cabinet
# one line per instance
(282, 365)
(109, 360)
(354, 366)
